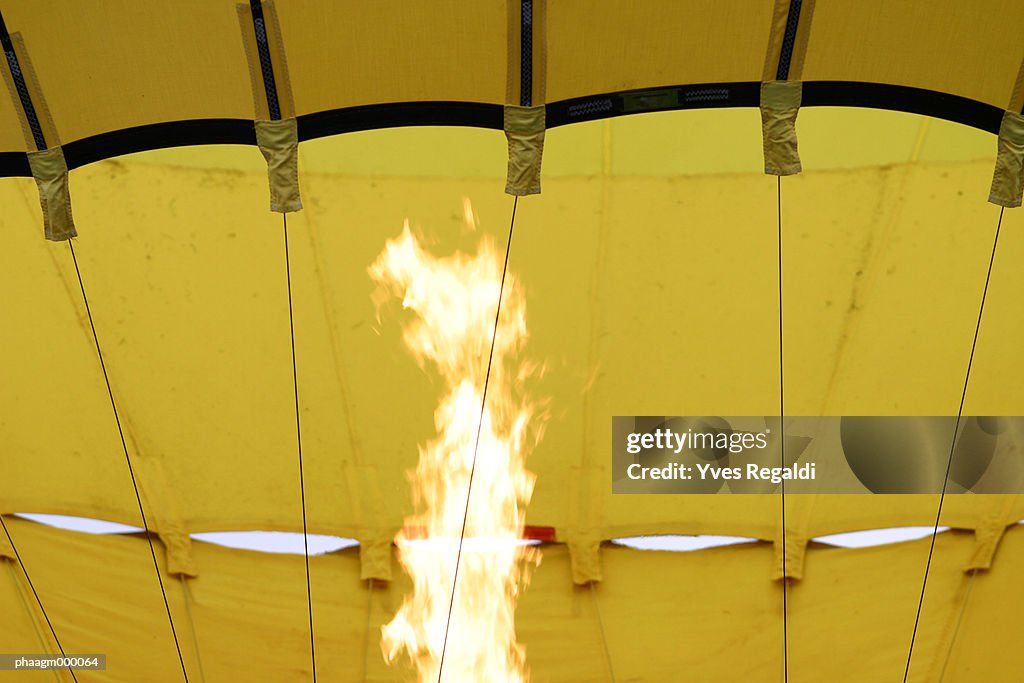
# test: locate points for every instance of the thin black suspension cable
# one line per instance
(479, 428)
(782, 450)
(298, 440)
(959, 623)
(128, 460)
(600, 629)
(366, 631)
(32, 586)
(952, 445)
(187, 594)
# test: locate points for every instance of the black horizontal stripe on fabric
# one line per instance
(903, 98)
(480, 115)
(159, 136)
(747, 94)
(14, 165)
(698, 96)
(394, 115)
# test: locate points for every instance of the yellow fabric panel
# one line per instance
(896, 295)
(466, 153)
(186, 281)
(878, 138)
(119, 63)
(994, 388)
(711, 614)
(21, 630)
(968, 49)
(871, 595)
(986, 635)
(146, 65)
(54, 381)
(343, 54)
(611, 46)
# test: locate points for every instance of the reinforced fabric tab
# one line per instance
(1008, 178)
(584, 530)
(986, 543)
(279, 143)
(375, 558)
(51, 175)
(990, 531)
(524, 128)
(789, 557)
(780, 103)
(585, 556)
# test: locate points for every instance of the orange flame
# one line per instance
(454, 299)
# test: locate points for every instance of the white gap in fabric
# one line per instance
(873, 537)
(286, 542)
(263, 541)
(83, 524)
(680, 543)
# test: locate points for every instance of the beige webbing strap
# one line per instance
(780, 104)
(787, 43)
(49, 168)
(279, 143)
(1008, 176)
(524, 119)
(524, 128)
(1017, 96)
(276, 126)
(51, 175)
(781, 87)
